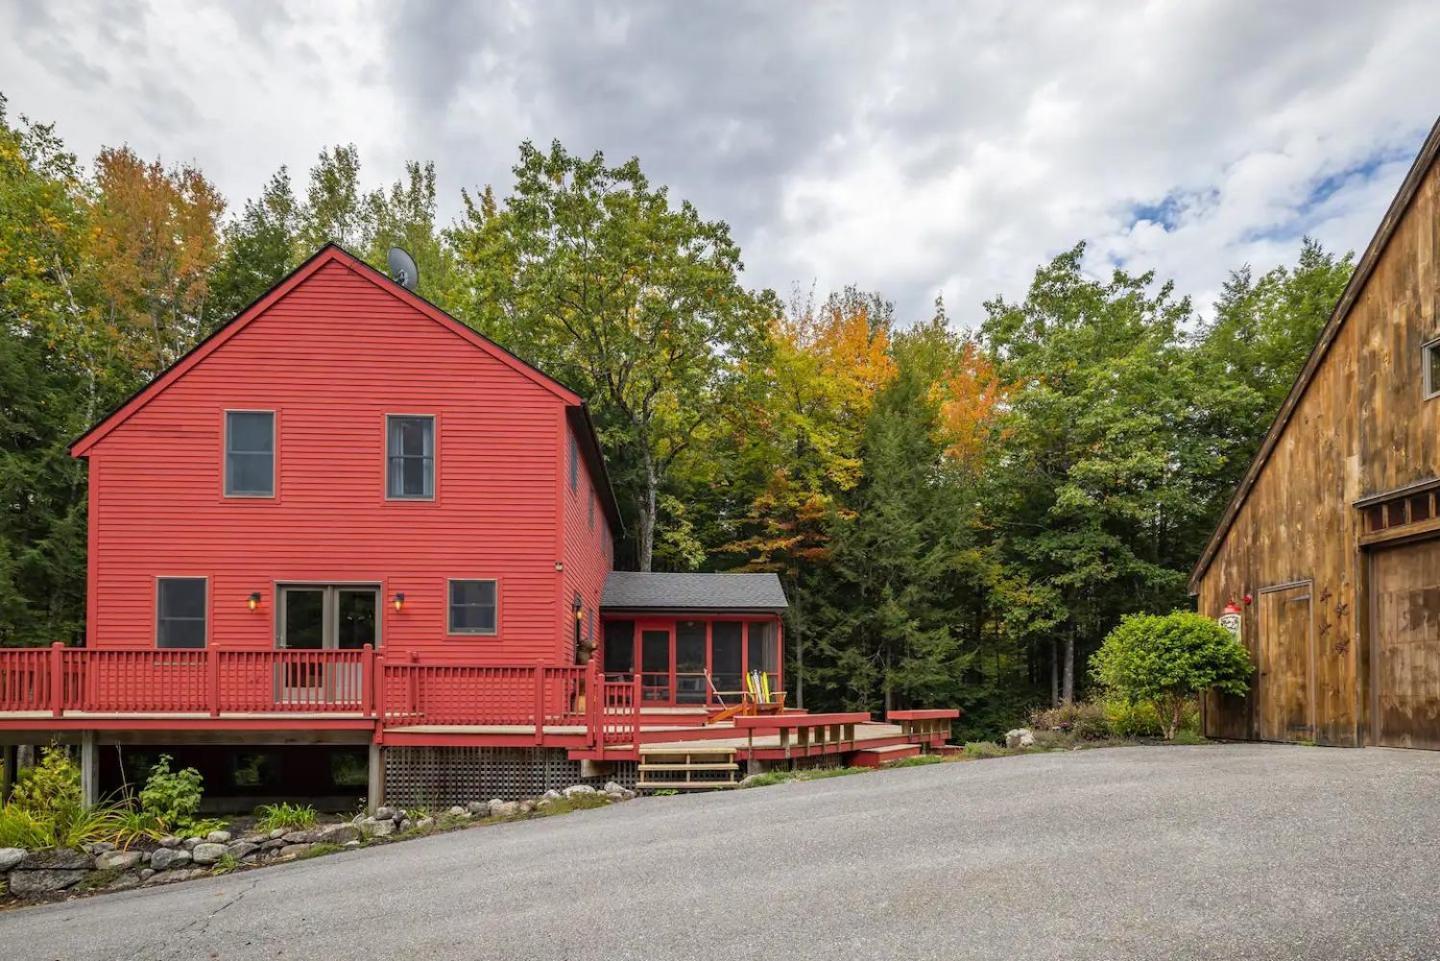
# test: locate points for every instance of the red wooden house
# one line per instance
(349, 546)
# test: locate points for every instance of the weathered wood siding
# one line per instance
(1363, 426)
(332, 357)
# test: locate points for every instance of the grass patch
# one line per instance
(317, 850)
(984, 749)
(225, 865)
(1186, 736)
(919, 760)
(811, 774)
(564, 805)
(271, 817)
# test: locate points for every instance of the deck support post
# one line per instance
(89, 769)
(9, 770)
(375, 788)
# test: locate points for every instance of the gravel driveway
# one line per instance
(1216, 851)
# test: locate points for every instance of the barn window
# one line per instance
(1400, 511)
(472, 607)
(180, 612)
(410, 450)
(1432, 369)
(249, 453)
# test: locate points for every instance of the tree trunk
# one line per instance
(1067, 692)
(645, 547)
(1054, 672)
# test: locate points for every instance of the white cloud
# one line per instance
(909, 148)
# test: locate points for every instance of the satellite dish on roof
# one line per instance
(402, 268)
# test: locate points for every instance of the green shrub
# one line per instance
(1128, 719)
(46, 809)
(173, 797)
(979, 749)
(51, 784)
(1086, 721)
(1168, 660)
(268, 817)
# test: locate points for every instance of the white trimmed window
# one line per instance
(1431, 361)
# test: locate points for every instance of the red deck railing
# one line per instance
(61, 681)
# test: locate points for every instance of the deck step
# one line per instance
(877, 756)
(686, 785)
(732, 766)
(683, 768)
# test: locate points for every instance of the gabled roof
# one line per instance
(1338, 316)
(645, 591)
(333, 253)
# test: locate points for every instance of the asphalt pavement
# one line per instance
(1213, 851)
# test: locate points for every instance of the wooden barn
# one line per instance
(1330, 548)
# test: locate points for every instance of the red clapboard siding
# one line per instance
(332, 356)
(586, 560)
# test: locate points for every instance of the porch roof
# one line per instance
(647, 591)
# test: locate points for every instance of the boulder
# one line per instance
(169, 841)
(56, 859)
(504, 809)
(405, 825)
(278, 833)
(374, 828)
(241, 849)
(256, 839)
(166, 858)
(189, 843)
(117, 860)
(339, 834)
(478, 808)
(9, 857)
(146, 874)
(458, 812)
(302, 837)
(219, 837)
(100, 847)
(580, 790)
(295, 850)
(424, 824)
(614, 787)
(27, 884)
(1020, 737)
(124, 882)
(274, 844)
(551, 795)
(527, 806)
(385, 814)
(208, 852)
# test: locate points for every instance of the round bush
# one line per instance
(1168, 659)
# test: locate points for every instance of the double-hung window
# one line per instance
(473, 607)
(249, 453)
(410, 457)
(180, 612)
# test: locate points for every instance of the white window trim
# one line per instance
(434, 458)
(450, 628)
(274, 455)
(182, 577)
(1432, 389)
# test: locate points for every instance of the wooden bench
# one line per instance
(925, 725)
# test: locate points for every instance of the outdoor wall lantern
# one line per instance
(579, 614)
(253, 601)
(398, 600)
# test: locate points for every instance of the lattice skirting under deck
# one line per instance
(437, 777)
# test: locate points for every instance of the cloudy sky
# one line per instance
(910, 148)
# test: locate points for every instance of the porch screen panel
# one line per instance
(762, 653)
(655, 665)
(619, 650)
(726, 657)
(690, 662)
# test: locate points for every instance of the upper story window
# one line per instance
(249, 453)
(1399, 511)
(1431, 361)
(410, 454)
(180, 612)
(473, 607)
(574, 464)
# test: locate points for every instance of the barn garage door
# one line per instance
(1285, 664)
(1405, 665)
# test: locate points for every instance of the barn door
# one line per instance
(1286, 688)
(1405, 654)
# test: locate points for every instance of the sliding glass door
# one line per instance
(330, 617)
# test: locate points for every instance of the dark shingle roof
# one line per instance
(632, 590)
